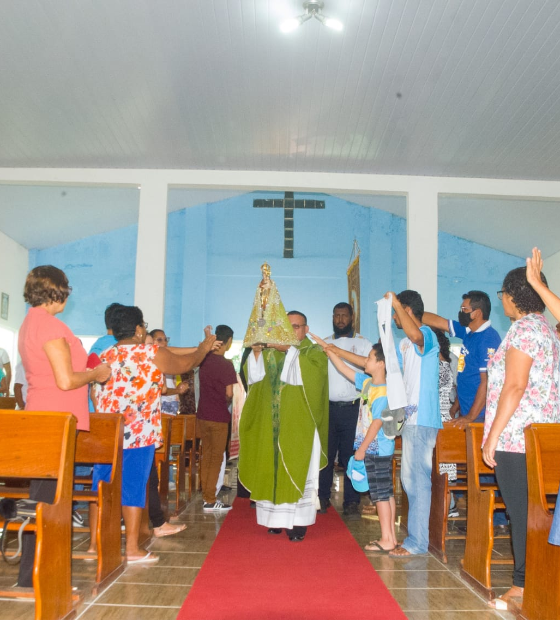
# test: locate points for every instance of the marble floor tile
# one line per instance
(181, 560)
(424, 599)
(17, 610)
(155, 575)
(142, 595)
(457, 615)
(110, 612)
(395, 579)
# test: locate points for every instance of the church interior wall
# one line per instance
(14, 259)
(214, 254)
(100, 269)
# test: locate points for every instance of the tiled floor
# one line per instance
(425, 588)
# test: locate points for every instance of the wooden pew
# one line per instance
(162, 463)
(172, 453)
(40, 445)
(480, 512)
(7, 402)
(104, 444)
(541, 598)
(177, 441)
(451, 447)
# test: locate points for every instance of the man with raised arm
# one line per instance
(480, 341)
(419, 356)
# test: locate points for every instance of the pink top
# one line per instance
(38, 328)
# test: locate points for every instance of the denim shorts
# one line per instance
(380, 477)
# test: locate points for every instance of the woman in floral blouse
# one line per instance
(523, 387)
(134, 390)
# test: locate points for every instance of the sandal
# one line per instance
(145, 559)
(375, 547)
(168, 530)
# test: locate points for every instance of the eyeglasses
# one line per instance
(160, 339)
(299, 326)
(500, 294)
(145, 326)
(467, 310)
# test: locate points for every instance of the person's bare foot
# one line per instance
(168, 530)
(513, 595)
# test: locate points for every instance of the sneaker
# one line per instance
(77, 519)
(217, 506)
(453, 512)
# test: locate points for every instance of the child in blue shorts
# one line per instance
(371, 444)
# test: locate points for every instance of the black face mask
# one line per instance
(465, 318)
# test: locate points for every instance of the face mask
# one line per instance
(465, 318)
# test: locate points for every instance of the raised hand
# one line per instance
(534, 268)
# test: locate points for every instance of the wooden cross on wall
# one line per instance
(288, 204)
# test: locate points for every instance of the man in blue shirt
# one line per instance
(480, 341)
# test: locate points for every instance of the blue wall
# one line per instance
(214, 254)
(100, 270)
(220, 248)
(464, 266)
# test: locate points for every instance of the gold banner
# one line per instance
(354, 290)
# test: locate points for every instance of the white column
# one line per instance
(149, 287)
(422, 241)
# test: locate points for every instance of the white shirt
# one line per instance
(340, 389)
(4, 357)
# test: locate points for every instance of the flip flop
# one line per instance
(172, 529)
(145, 559)
(375, 547)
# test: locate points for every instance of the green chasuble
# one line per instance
(278, 425)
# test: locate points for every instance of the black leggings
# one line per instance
(511, 474)
(154, 505)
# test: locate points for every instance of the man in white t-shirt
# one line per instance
(5, 362)
(344, 405)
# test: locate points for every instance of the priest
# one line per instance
(284, 424)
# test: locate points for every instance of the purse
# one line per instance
(22, 510)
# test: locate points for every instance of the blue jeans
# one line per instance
(418, 444)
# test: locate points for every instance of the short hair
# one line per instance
(109, 313)
(46, 284)
(379, 354)
(300, 314)
(223, 333)
(412, 300)
(480, 301)
(523, 295)
(125, 321)
(155, 331)
(344, 306)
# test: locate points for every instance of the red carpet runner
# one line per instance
(250, 574)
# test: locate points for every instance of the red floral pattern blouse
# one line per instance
(133, 389)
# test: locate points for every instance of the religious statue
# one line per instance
(268, 323)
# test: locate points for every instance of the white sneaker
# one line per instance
(217, 506)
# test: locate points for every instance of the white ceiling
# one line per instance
(430, 87)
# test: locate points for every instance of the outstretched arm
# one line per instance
(353, 358)
(435, 321)
(342, 368)
(534, 268)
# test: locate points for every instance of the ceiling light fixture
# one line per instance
(312, 8)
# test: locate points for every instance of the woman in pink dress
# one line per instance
(55, 368)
